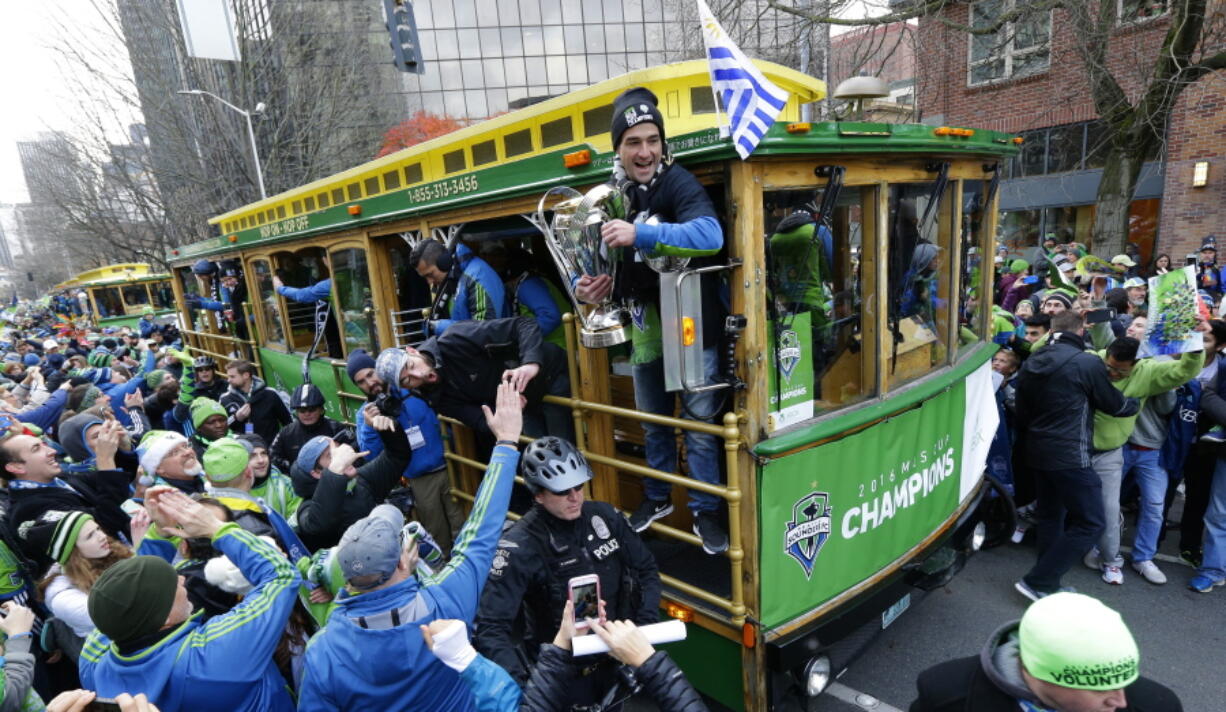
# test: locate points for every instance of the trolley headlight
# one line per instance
(978, 534)
(817, 675)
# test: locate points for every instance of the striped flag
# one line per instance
(751, 101)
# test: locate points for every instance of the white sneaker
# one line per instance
(1091, 559)
(1150, 571)
(1113, 575)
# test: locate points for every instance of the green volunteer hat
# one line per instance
(225, 459)
(1074, 641)
(203, 409)
(133, 597)
(154, 378)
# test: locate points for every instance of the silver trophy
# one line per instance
(573, 237)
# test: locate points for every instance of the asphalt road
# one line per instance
(1181, 634)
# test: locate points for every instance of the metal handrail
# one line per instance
(202, 336)
(729, 432)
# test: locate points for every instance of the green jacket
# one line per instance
(1148, 378)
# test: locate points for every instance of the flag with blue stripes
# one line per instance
(751, 101)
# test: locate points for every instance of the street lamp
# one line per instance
(255, 152)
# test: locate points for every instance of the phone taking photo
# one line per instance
(584, 593)
(102, 705)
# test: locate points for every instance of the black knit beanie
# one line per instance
(633, 107)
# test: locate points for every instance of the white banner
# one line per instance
(978, 428)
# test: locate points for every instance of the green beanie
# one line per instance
(67, 531)
(1075, 641)
(133, 598)
(154, 378)
(225, 459)
(1019, 265)
(90, 398)
(205, 408)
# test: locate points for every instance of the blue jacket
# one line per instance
(535, 297)
(494, 690)
(147, 327)
(480, 294)
(339, 671)
(320, 291)
(46, 415)
(118, 391)
(420, 427)
(225, 664)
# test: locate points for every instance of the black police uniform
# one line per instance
(537, 557)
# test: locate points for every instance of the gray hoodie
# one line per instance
(1002, 662)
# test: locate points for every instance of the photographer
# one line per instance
(435, 508)
(335, 493)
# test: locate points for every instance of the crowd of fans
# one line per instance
(1092, 428)
(192, 537)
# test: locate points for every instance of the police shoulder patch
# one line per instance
(598, 524)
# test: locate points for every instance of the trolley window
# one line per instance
(817, 302)
(920, 225)
(108, 302)
(270, 303)
(355, 308)
(973, 305)
(134, 295)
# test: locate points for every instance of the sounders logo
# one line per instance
(809, 529)
(789, 353)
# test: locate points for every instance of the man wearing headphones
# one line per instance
(562, 537)
(479, 294)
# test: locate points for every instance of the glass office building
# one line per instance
(484, 57)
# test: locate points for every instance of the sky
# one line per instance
(32, 79)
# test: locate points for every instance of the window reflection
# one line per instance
(972, 306)
(918, 288)
(269, 303)
(351, 283)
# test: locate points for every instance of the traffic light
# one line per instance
(401, 25)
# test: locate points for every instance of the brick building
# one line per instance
(1029, 79)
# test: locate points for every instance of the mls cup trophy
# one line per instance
(573, 237)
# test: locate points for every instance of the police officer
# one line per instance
(560, 538)
(307, 403)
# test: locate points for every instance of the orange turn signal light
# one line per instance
(685, 614)
(687, 331)
(749, 637)
(233, 238)
(577, 158)
(951, 131)
(799, 127)
(1018, 140)
(355, 210)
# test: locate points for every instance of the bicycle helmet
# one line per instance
(551, 463)
(204, 362)
(307, 395)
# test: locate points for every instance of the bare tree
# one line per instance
(1133, 96)
(327, 96)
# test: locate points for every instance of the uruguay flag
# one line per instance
(751, 101)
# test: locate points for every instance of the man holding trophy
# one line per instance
(669, 214)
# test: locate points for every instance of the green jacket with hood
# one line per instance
(1148, 378)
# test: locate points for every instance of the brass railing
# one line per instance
(202, 342)
(729, 432)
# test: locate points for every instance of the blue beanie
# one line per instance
(309, 455)
(30, 359)
(359, 360)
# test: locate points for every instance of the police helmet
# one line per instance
(553, 464)
(307, 395)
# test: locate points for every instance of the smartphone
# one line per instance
(1191, 259)
(1098, 316)
(584, 593)
(1033, 279)
(102, 705)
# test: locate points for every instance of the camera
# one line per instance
(388, 404)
